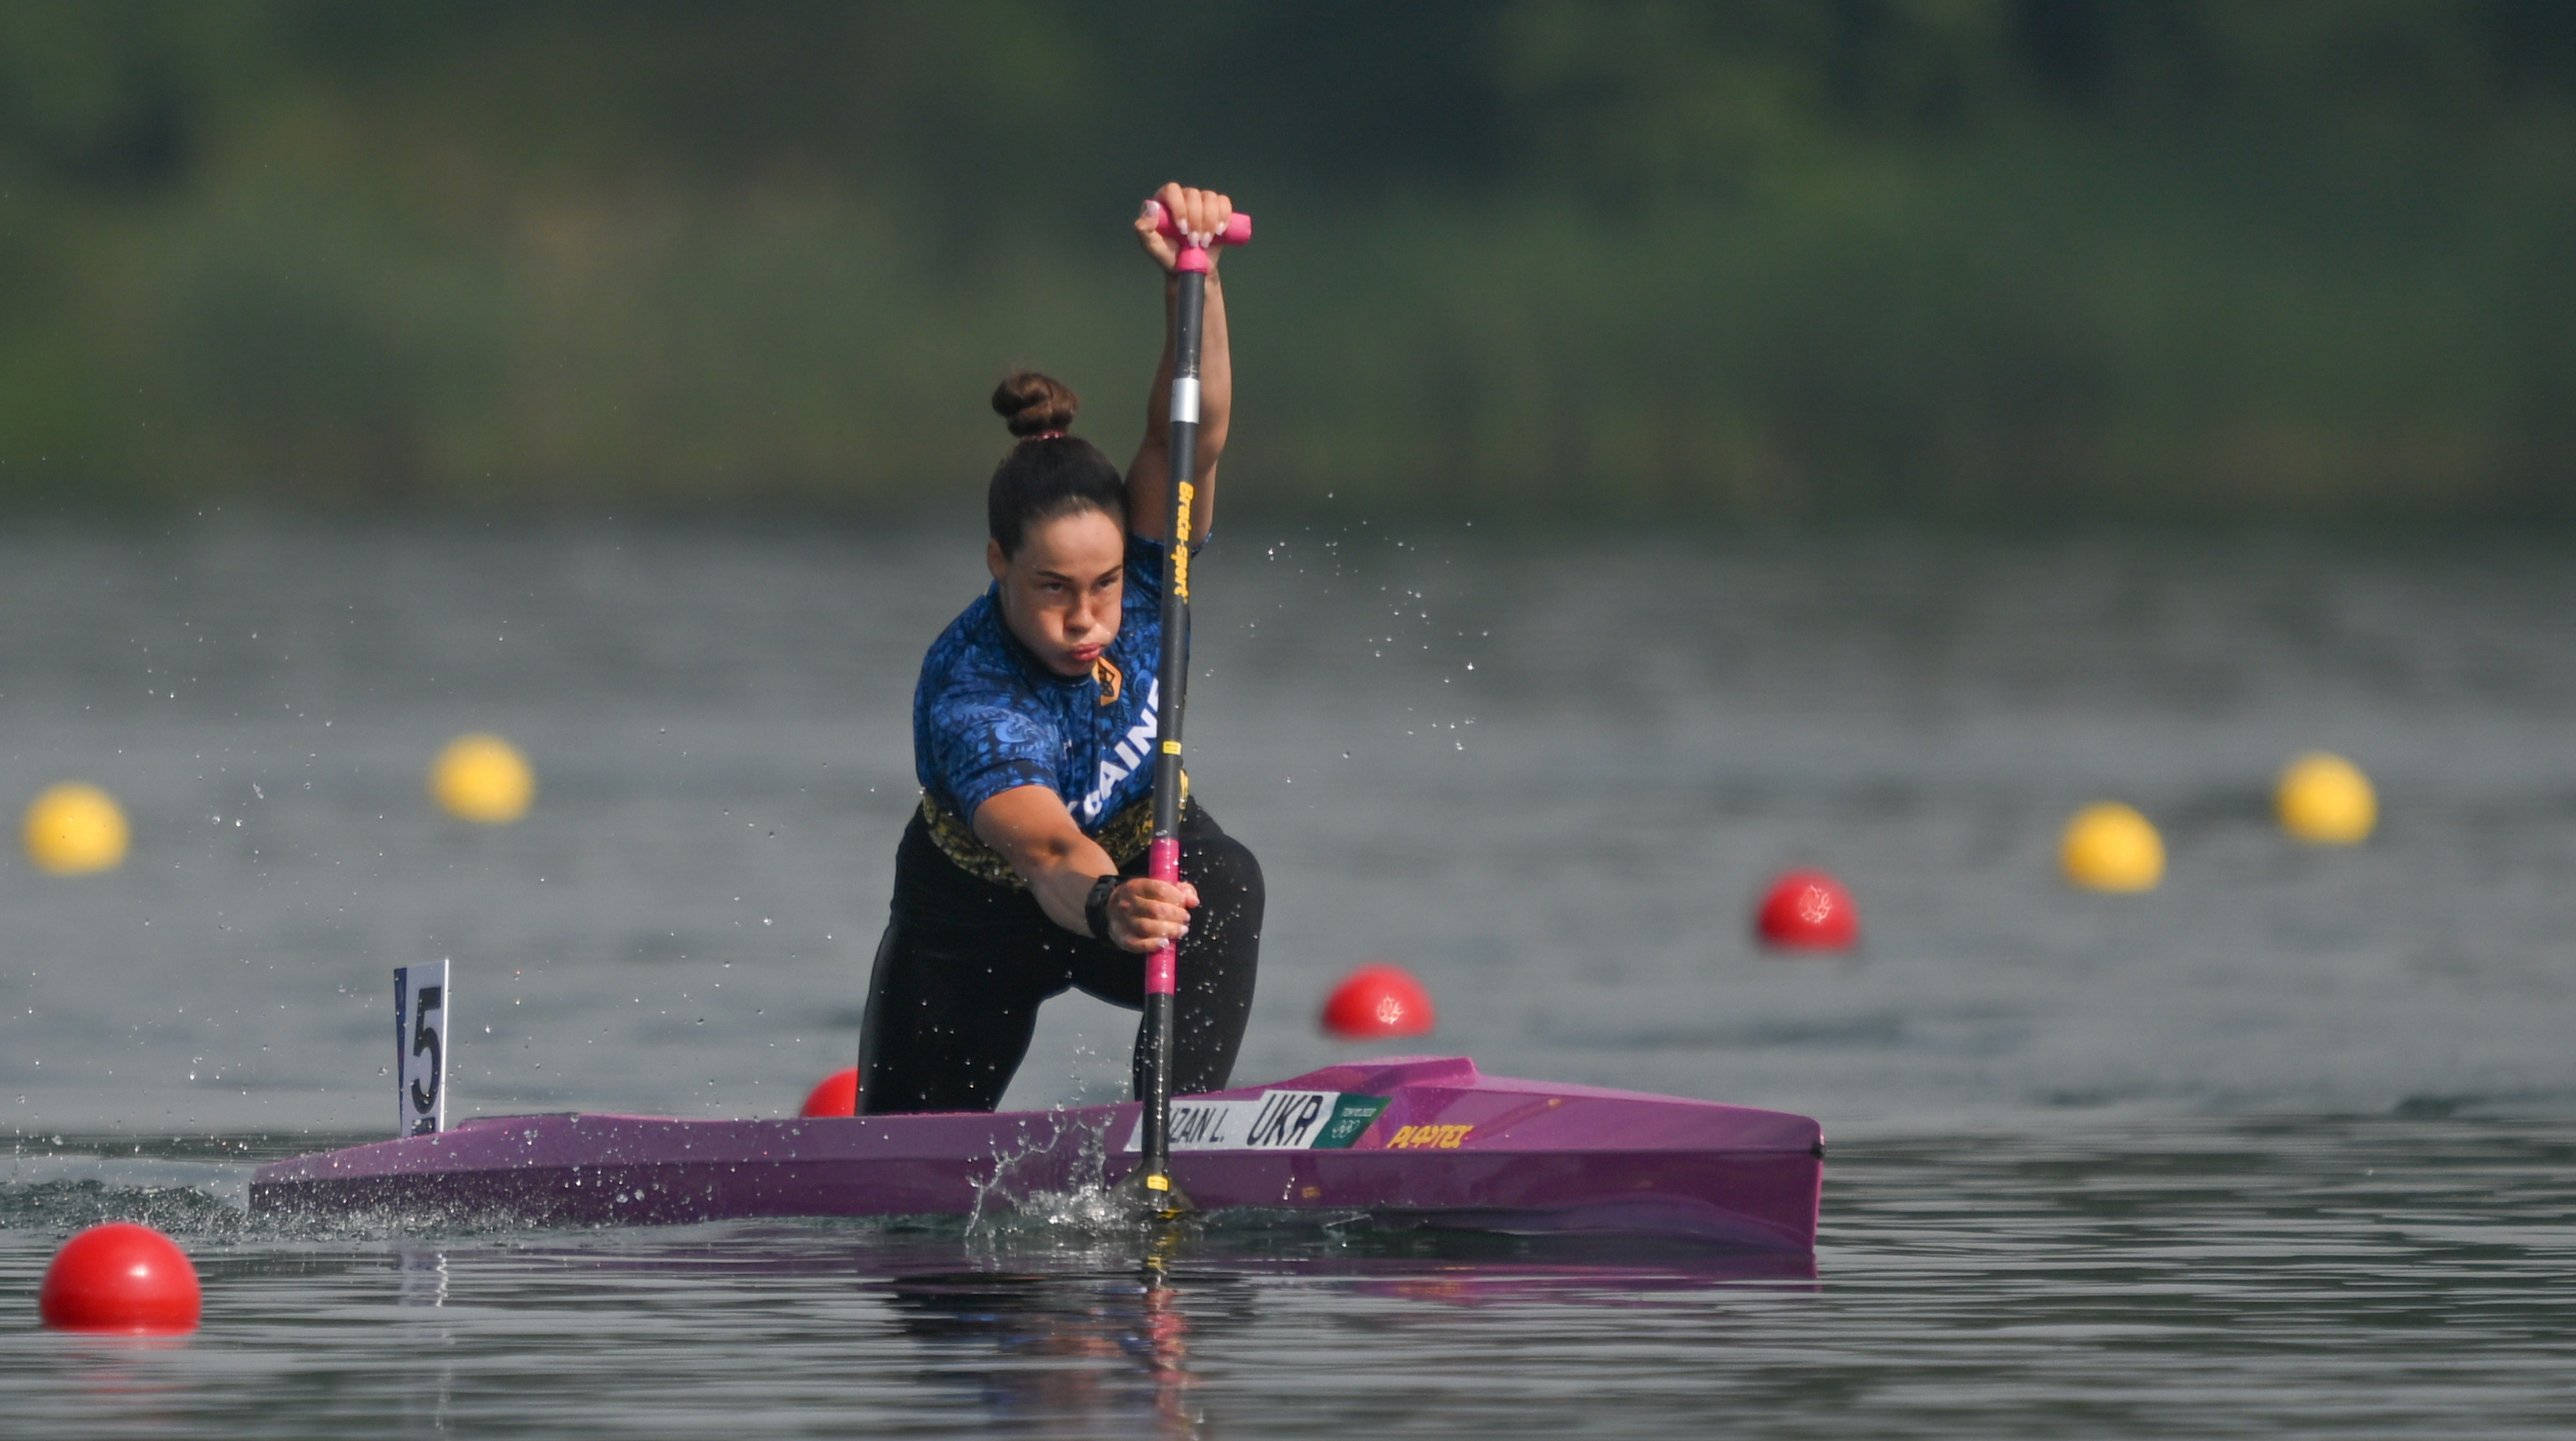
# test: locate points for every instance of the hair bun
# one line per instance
(1031, 404)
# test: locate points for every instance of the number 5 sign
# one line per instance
(420, 1039)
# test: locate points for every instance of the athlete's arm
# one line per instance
(1149, 480)
(1036, 834)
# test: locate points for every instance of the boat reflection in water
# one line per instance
(1059, 1345)
(1132, 1343)
(1036, 1323)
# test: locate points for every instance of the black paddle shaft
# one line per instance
(1174, 670)
(1172, 682)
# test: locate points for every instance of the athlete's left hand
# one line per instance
(1199, 214)
(1145, 915)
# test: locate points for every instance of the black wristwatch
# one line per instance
(1095, 907)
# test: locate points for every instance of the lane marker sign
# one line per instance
(420, 1043)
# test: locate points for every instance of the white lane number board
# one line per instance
(420, 1039)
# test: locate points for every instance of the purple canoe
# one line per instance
(1405, 1141)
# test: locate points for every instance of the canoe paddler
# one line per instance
(1034, 723)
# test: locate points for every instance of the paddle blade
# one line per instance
(1168, 1204)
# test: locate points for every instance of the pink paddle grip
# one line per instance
(1238, 231)
(1162, 969)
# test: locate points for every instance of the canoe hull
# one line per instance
(1451, 1148)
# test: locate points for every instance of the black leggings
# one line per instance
(965, 962)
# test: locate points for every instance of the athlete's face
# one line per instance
(1060, 594)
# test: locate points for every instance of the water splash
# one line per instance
(1038, 1194)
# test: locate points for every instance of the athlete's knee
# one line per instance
(1227, 874)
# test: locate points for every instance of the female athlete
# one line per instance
(1033, 727)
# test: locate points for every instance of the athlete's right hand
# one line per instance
(1198, 214)
(1145, 915)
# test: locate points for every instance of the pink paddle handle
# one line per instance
(1238, 231)
(1162, 969)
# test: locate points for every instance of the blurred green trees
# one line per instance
(1973, 259)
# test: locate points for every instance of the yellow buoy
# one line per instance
(2110, 847)
(2327, 800)
(482, 778)
(74, 829)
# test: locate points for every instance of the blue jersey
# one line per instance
(987, 717)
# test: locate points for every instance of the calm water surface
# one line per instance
(2282, 1147)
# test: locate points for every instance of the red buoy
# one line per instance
(1808, 911)
(120, 1277)
(835, 1095)
(1376, 1001)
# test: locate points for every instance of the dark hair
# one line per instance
(1047, 474)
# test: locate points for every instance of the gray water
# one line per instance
(2283, 1146)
